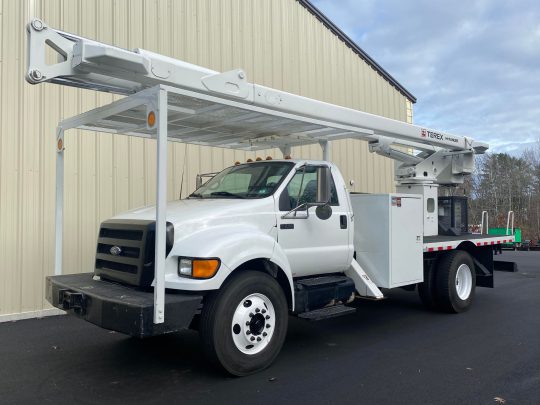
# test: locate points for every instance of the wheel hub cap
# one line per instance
(463, 281)
(253, 323)
(256, 325)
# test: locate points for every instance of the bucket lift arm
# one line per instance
(444, 158)
(428, 165)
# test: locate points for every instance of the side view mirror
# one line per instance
(323, 211)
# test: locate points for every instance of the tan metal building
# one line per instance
(285, 44)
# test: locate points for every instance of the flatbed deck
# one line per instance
(444, 242)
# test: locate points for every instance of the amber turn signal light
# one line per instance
(204, 268)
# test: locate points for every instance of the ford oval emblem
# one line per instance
(115, 250)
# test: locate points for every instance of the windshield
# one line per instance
(252, 180)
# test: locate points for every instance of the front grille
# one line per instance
(128, 251)
(121, 234)
(110, 265)
(125, 251)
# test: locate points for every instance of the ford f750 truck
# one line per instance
(260, 241)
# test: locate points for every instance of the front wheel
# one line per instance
(243, 325)
(455, 281)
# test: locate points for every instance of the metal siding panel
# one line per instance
(304, 58)
(294, 52)
(28, 187)
(349, 101)
(137, 146)
(224, 36)
(277, 39)
(409, 111)
(9, 161)
(258, 36)
(314, 50)
(121, 143)
(203, 37)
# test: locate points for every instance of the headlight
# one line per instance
(197, 267)
(184, 267)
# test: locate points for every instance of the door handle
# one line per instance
(343, 221)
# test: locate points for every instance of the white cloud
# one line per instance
(473, 65)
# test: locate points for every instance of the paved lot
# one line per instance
(391, 352)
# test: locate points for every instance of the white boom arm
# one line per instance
(89, 64)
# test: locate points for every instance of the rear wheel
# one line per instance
(243, 325)
(455, 281)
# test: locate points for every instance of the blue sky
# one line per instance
(473, 65)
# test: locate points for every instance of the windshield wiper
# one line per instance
(196, 195)
(226, 194)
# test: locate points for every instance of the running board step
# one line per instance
(327, 312)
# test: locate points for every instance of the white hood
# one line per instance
(195, 214)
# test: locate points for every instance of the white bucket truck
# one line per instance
(259, 241)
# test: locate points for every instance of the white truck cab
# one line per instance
(253, 211)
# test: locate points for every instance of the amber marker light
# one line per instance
(151, 119)
(204, 268)
(60, 144)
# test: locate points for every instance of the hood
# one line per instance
(210, 212)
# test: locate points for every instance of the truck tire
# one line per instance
(455, 281)
(426, 289)
(243, 325)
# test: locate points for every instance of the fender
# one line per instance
(279, 258)
(233, 245)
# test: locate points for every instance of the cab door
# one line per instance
(311, 244)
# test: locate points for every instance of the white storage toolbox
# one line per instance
(388, 237)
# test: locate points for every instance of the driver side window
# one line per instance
(303, 188)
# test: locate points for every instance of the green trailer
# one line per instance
(503, 232)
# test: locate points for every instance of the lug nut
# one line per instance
(251, 314)
(248, 332)
(265, 334)
(267, 325)
(252, 338)
(264, 311)
(267, 317)
(258, 339)
(257, 310)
